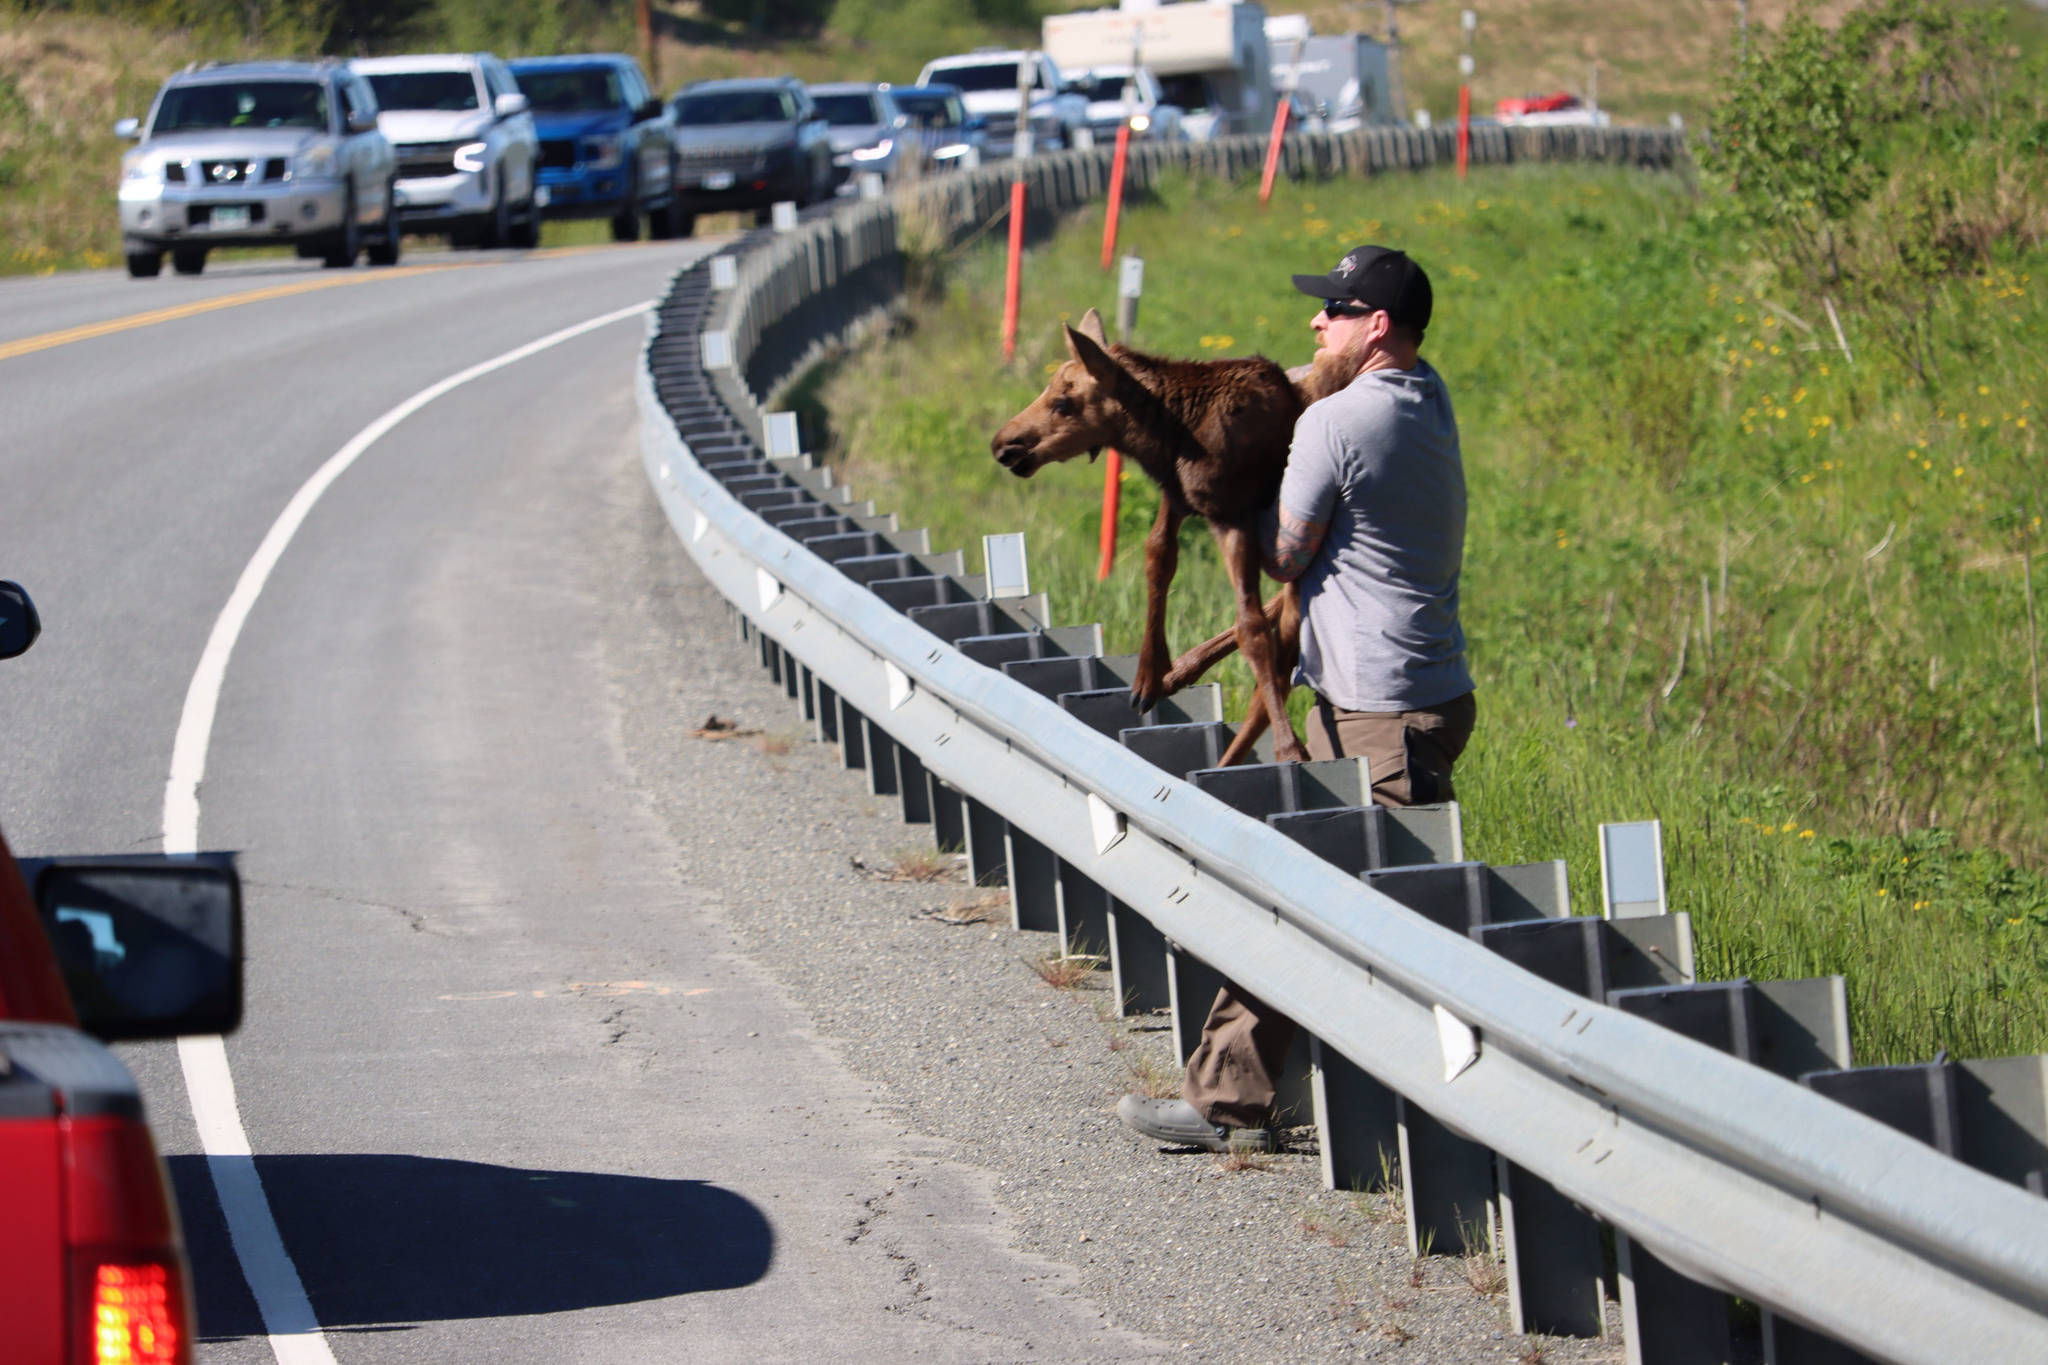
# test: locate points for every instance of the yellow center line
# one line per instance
(27, 345)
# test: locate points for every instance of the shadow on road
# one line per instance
(389, 1240)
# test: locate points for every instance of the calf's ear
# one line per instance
(1093, 358)
(1091, 327)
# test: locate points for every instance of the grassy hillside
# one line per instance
(1717, 573)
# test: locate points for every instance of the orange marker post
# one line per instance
(1464, 128)
(1273, 153)
(1016, 272)
(1112, 490)
(1116, 192)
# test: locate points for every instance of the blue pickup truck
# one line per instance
(606, 150)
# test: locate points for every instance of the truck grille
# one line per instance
(419, 160)
(727, 157)
(229, 172)
(558, 155)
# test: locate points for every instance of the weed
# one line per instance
(717, 727)
(1240, 1159)
(964, 910)
(1396, 1333)
(1532, 1356)
(1487, 1275)
(916, 865)
(1146, 1075)
(1064, 971)
(1323, 1227)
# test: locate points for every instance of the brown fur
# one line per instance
(1214, 435)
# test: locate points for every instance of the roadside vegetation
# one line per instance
(1767, 583)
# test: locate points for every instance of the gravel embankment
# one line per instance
(967, 1050)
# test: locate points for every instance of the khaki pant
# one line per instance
(1233, 1073)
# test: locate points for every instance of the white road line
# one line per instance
(288, 1318)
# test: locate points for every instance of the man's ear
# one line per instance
(1093, 357)
(1091, 327)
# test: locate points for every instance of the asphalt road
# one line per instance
(513, 1089)
(572, 1034)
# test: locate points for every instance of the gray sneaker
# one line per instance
(1177, 1121)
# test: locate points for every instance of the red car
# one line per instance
(92, 1265)
(1535, 104)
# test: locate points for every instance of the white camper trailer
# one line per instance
(1210, 56)
(1344, 75)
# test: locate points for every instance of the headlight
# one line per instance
(603, 150)
(949, 151)
(876, 152)
(1140, 122)
(141, 173)
(470, 156)
(315, 163)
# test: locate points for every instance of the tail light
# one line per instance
(136, 1312)
(130, 1302)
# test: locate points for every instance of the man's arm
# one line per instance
(1291, 547)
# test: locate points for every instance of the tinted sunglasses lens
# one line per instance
(1341, 308)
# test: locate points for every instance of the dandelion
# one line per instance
(1921, 905)
(1757, 344)
(1983, 390)
(1799, 394)
(1790, 825)
(1825, 371)
(1882, 892)
(1780, 414)
(1959, 471)
(2012, 919)
(1806, 834)
(1770, 322)
(1775, 351)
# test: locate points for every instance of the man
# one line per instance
(1371, 523)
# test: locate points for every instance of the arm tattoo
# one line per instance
(1294, 546)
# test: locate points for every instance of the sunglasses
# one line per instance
(1346, 308)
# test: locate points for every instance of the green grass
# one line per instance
(1662, 466)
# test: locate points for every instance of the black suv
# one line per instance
(750, 144)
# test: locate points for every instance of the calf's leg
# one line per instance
(1255, 638)
(1162, 557)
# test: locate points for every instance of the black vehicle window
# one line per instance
(1099, 88)
(565, 92)
(994, 76)
(848, 110)
(1189, 92)
(449, 90)
(732, 106)
(932, 111)
(243, 104)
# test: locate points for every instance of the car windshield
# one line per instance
(845, 111)
(242, 104)
(567, 92)
(732, 106)
(932, 111)
(449, 90)
(994, 76)
(1096, 89)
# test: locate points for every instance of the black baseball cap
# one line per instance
(1380, 278)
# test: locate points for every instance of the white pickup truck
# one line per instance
(990, 82)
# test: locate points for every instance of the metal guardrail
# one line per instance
(1733, 1177)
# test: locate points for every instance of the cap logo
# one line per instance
(1347, 265)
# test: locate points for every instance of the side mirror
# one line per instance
(150, 945)
(19, 624)
(649, 109)
(360, 122)
(976, 124)
(129, 128)
(511, 106)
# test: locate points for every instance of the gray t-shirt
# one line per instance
(1378, 462)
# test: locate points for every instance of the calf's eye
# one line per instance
(1065, 407)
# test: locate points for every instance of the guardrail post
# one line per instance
(824, 711)
(986, 845)
(1137, 962)
(1034, 882)
(914, 786)
(1553, 1249)
(853, 749)
(1357, 1123)
(1446, 1185)
(1083, 910)
(881, 752)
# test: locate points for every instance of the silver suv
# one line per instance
(258, 154)
(466, 146)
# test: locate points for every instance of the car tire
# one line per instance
(386, 249)
(188, 260)
(347, 242)
(145, 265)
(525, 232)
(764, 215)
(626, 223)
(498, 230)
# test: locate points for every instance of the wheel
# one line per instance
(626, 226)
(498, 232)
(671, 219)
(188, 260)
(347, 243)
(686, 224)
(764, 215)
(525, 232)
(144, 265)
(384, 251)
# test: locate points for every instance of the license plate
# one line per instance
(718, 180)
(541, 196)
(230, 216)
